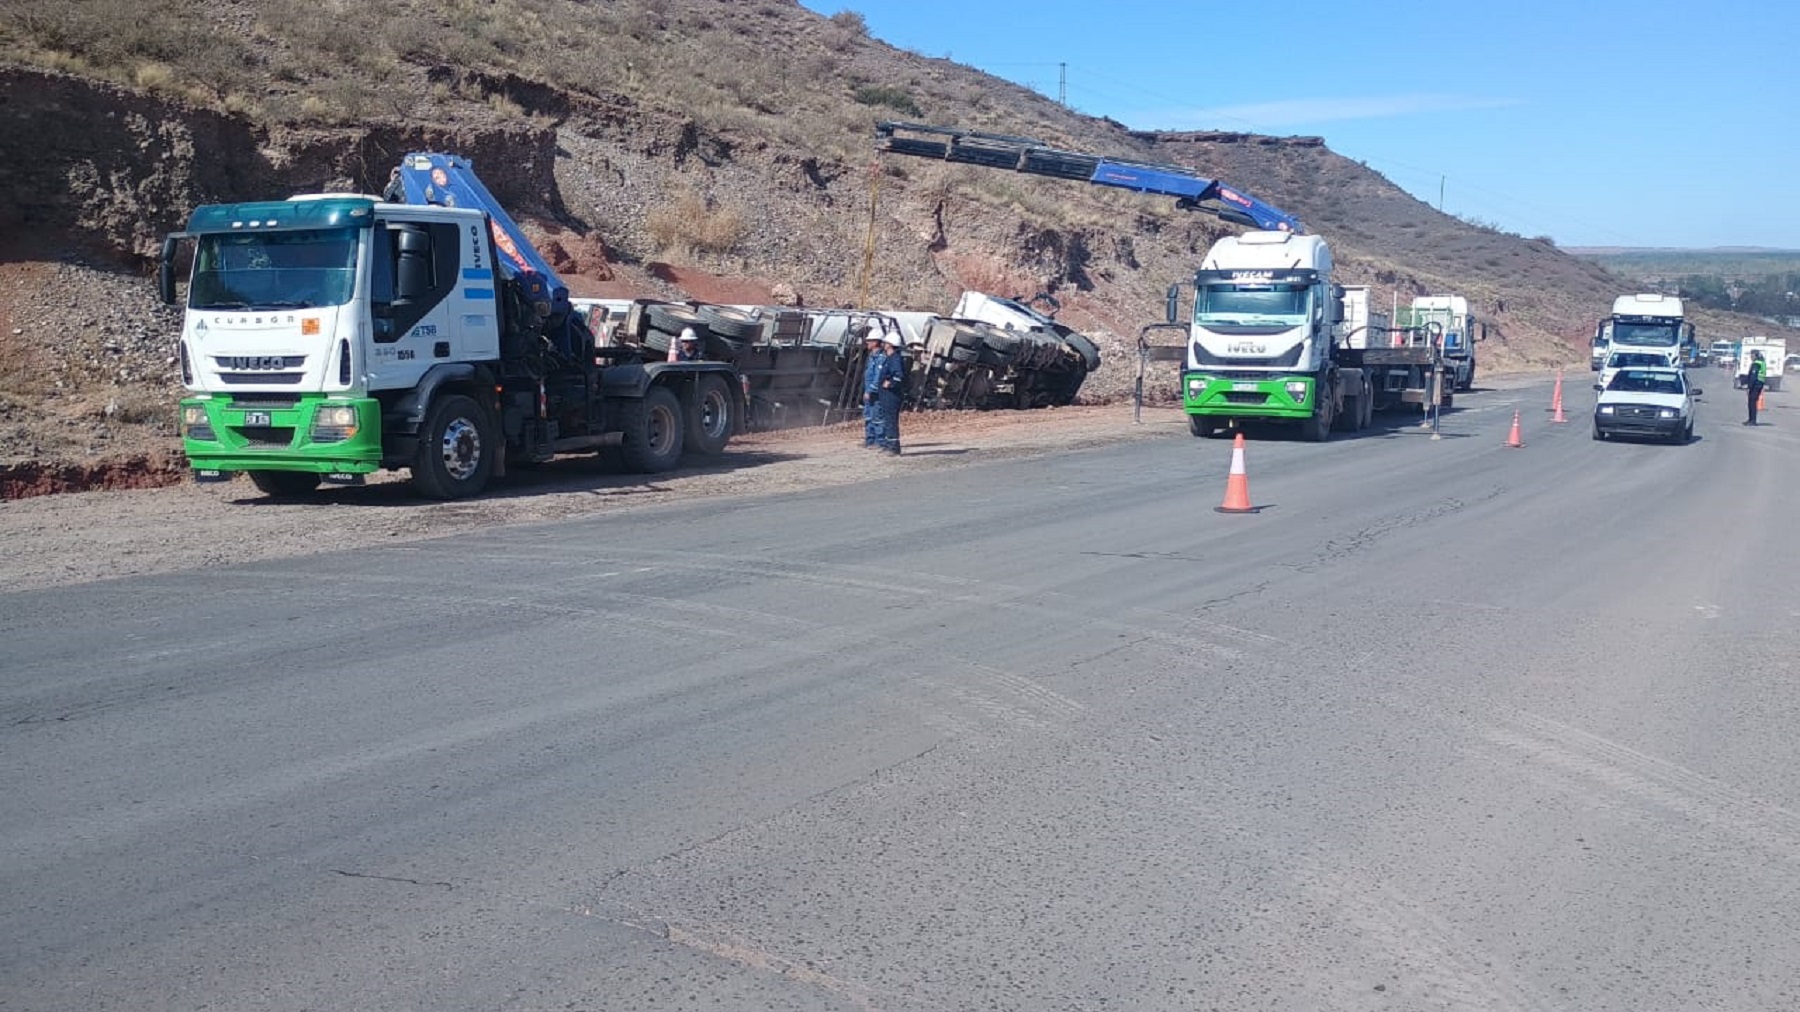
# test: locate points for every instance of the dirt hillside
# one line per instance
(715, 149)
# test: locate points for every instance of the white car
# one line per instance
(1629, 360)
(1652, 403)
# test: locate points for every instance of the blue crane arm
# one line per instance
(450, 181)
(1022, 154)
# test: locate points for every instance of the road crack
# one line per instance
(391, 878)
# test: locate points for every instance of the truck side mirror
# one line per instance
(1337, 308)
(1598, 387)
(412, 264)
(1172, 305)
(165, 272)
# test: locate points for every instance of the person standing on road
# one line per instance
(893, 376)
(873, 357)
(1753, 384)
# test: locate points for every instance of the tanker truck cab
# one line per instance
(1260, 336)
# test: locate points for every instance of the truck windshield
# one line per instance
(1647, 335)
(274, 270)
(1277, 305)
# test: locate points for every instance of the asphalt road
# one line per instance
(1447, 725)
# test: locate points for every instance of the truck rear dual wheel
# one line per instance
(456, 450)
(711, 413)
(654, 432)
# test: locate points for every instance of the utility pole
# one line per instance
(1062, 85)
(1441, 194)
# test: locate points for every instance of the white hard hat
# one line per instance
(687, 334)
(891, 338)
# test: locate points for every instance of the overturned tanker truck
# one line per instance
(804, 366)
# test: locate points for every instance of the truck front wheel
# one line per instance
(456, 450)
(1317, 429)
(653, 432)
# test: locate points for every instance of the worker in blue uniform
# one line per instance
(873, 363)
(882, 376)
(887, 394)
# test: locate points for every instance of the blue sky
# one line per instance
(1596, 122)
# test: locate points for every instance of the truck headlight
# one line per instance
(334, 423)
(1606, 409)
(194, 424)
(1196, 386)
(1297, 390)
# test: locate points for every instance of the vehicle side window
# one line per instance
(393, 322)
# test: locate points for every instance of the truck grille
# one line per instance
(1635, 412)
(264, 400)
(280, 378)
(1246, 397)
(268, 437)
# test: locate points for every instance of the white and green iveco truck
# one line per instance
(330, 336)
(1273, 338)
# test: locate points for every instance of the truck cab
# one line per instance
(1260, 335)
(1645, 323)
(1457, 330)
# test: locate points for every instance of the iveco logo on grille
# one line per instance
(251, 363)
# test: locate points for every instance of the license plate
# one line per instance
(1245, 387)
(257, 418)
(210, 476)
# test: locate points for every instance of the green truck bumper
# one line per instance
(317, 434)
(1222, 396)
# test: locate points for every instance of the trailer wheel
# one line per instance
(284, 484)
(456, 450)
(735, 324)
(671, 317)
(711, 416)
(653, 432)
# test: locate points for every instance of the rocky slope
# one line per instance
(702, 148)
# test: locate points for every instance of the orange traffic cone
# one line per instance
(1237, 486)
(1558, 417)
(1759, 400)
(1556, 398)
(1513, 439)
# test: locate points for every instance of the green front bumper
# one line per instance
(1204, 394)
(227, 435)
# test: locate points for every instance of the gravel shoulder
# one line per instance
(55, 540)
(63, 539)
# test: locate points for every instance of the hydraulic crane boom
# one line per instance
(1022, 154)
(450, 181)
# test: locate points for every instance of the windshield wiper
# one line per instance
(224, 305)
(284, 305)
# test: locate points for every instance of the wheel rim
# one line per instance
(715, 415)
(660, 428)
(461, 449)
